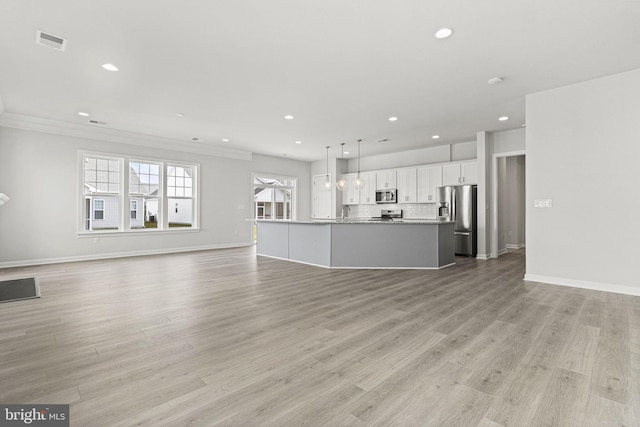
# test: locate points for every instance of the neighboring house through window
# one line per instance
(134, 209)
(98, 209)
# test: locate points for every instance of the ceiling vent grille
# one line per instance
(49, 40)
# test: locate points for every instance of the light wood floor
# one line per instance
(225, 338)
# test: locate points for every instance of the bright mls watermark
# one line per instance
(34, 415)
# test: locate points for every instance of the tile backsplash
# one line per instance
(409, 210)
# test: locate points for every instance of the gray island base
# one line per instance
(362, 244)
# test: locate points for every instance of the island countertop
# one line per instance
(361, 221)
(359, 243)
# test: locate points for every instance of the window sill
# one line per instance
(177, 230)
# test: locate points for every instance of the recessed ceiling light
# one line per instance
(346, 152)
(225, 139)
(503, 118)
(180, 114)
(288, 117)
(444, 33)
(298, 142)
(110, 67)
(393, 119)
(83, 114)
(495, 80)
(435, 137)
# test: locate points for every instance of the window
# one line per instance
(159, 194)
(144, 187)
(180, 195)
(134, 209)
(274, 197)
(98, 209)
(101, 189)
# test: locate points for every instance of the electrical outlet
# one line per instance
(546, 203)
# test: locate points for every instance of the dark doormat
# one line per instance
(14, 290)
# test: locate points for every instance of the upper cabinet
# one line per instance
(460, 173)
(407, 185)
(368, 193)
(386, 179)
(429, 179)
(350, 195)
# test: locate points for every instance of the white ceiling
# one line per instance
(340, 67)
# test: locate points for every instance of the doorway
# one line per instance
(508, 217)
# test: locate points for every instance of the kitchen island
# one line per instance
(425, 244)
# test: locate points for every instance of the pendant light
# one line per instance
(327, 181)
(359, 182)
(341, 183)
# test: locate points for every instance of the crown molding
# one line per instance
(38, 124)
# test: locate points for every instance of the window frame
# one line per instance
(125, 199)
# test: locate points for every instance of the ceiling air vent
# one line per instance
(95, 122)
(49, 40)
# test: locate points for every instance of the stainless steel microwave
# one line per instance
(387, 196)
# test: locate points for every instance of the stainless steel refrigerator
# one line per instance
(459, 203)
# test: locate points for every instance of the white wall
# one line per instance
(40, 171)
(508, 141)
(583, 153)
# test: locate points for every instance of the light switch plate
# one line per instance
(546, 203)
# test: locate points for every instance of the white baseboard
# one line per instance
(516, 246)
(94, 257)
(503, 251)
(483, 257)
(594, 286)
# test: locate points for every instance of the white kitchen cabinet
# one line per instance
(460, 173)
(429, 179)
(407, 182)
(350, 195)
(368, 193)
(386, 179)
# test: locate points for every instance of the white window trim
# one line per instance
(125, 199)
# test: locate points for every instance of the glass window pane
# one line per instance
(114, 188)
(188, 192)
(114, 177)
(180, 212)
(179, 192)
(102, 186)
(114, 165)
(155, 169)
(103, 164)
(103, 176)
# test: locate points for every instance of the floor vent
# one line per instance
(49, 40)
